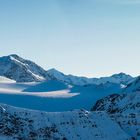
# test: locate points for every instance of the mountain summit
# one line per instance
(21, 70)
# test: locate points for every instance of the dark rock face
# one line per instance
(108, 103)
(124, 109)
(23, 129)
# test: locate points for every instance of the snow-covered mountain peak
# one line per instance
(21, 70)
(54, 72)
(122, 77)
(11, 57)
(14, 55)
(56, 75)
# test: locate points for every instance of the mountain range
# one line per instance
(21, 70)
(50, 105)
(61, 92)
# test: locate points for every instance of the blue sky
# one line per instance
(83, 37)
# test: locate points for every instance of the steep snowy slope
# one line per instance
(133, 86)
(124, 108)
(120, 78)
(116, 104)
(21, 70)
(17, 123)
(127, 102)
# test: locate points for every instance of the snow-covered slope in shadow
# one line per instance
(54, 95)
(51, 85)
(133, 86)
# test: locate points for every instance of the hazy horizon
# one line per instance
(92, 38)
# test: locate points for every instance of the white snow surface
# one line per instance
(17, 123)
(54, 95)
(6, 80)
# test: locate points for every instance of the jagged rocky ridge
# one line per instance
(124, 108)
